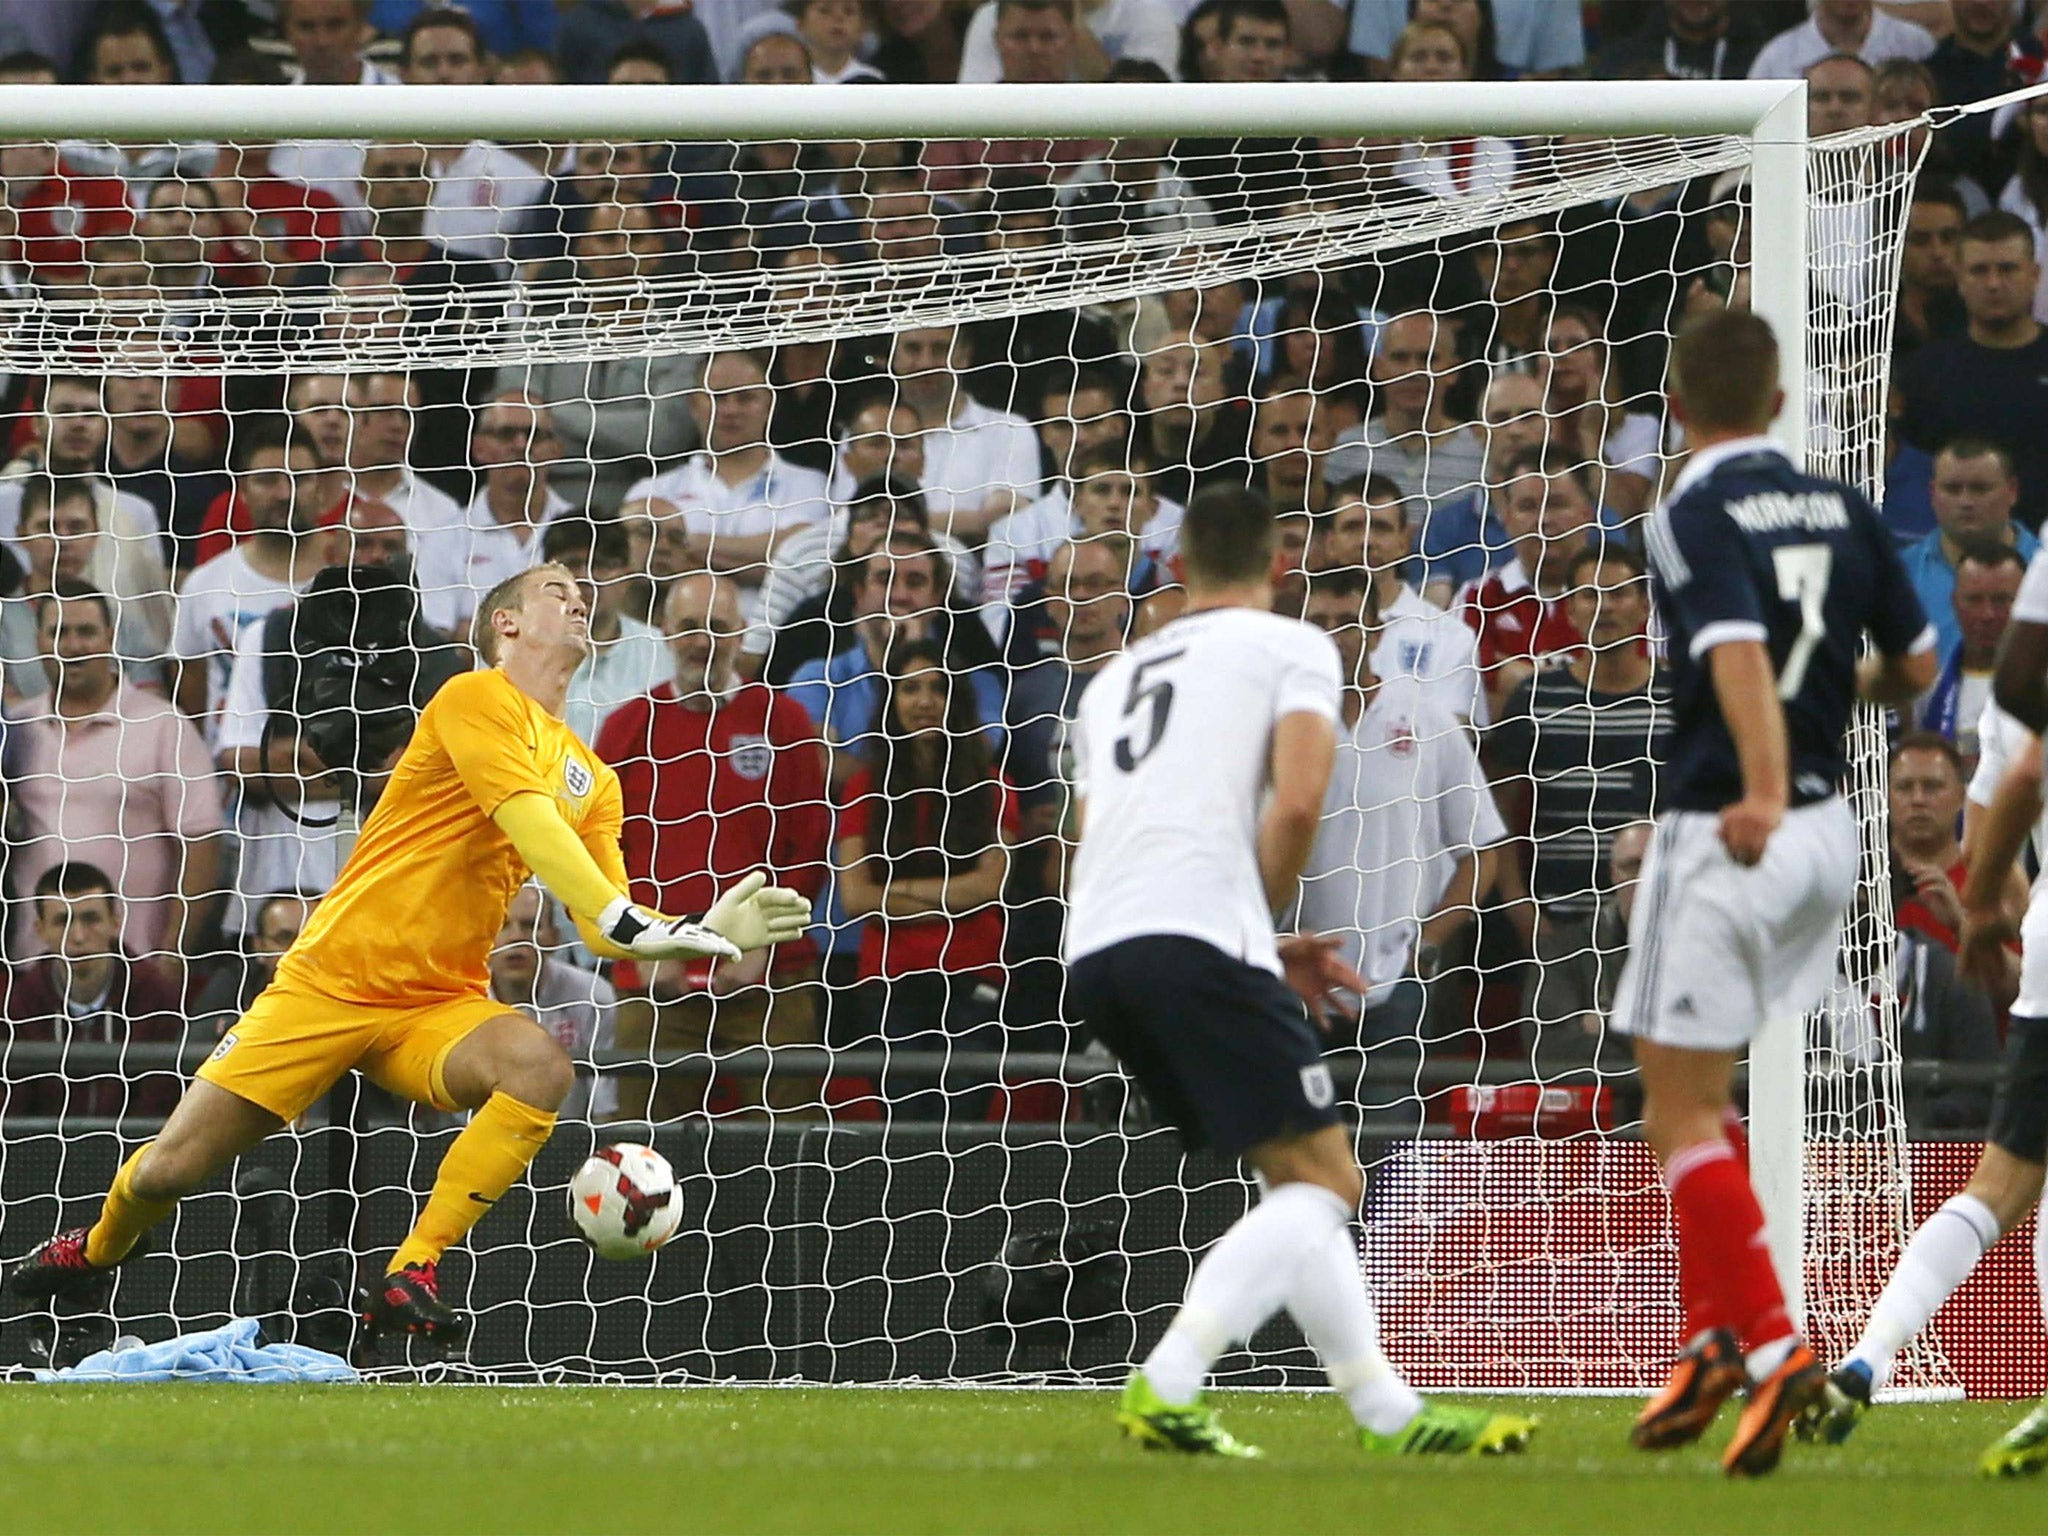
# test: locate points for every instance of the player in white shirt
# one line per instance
(2006, 801)
(1201, 758)
(1409, 824)
(501, 529)
(979, 464)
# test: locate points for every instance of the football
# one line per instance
(624, 1201)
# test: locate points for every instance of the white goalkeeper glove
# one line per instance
(754, 914)
(647, 935)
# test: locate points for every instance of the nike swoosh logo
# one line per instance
(479, 1199)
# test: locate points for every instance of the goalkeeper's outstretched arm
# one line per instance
(750, 915)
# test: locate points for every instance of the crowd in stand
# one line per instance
(845, 595)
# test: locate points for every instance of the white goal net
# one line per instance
(863, 444)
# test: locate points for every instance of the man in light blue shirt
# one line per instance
(1975, 490)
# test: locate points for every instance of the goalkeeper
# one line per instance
(390, 977)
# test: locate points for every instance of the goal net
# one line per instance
(929, 409)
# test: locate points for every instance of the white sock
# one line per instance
(1940, 1258)
(1240, 1283)
(1330, 1302)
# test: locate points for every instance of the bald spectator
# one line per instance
(114, 776)
(327, 39)
(591, 33)
(980, 464)
(739, 497)
(576, 1006)
(1855, 27)
(1414, 439)
(777, 58)
(1289, 444)
(1841, 95)
(88, 985)
(1087, 606)
(719, 778)
(514, 445)
(1992, 381)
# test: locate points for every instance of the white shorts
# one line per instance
(1714, 949)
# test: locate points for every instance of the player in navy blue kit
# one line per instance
(1768, 579)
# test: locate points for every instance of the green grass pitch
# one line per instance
(415, 1460)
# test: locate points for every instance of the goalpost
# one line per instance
(822, 1241)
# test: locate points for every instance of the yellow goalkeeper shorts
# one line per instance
(293, 1045)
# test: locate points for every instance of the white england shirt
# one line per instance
(1407, 800)
(1171, 748)
(1999, 738)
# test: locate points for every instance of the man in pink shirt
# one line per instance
(107, 774)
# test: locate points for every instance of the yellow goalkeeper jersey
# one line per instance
(415, 911)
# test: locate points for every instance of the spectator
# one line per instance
(1413, 438)
(591, 33)
(1841, 26)
(806, 376)
(1575, 754)
(899, 600)
(500, 534)
(115, 776)
(1942, 1018)
(1841, 95)
(883, 438)
(1975, 492)
(2026, 194)
(620, 417)
(924, 837)
(1414, 638)
(918, 43)
(525, 66)
(1035, 42)
(1109, 32)
(1987, 580)
(1136, 187)
(1581, 987)
(126, 46)
(328, 39)
(226, 994)
(1517, 267)
(382, 412)
(181, 234)
(774, 58)
(72, 515)
(627, 658)
(1409, 830)
(740, 499)
(483, 196)
(1087, 605)
(74, 429)
(1969, 65)
(1450, 169)
(1522, 612)
(1243, 179)
(279, 480)
(1683, 40)
(1191, 416)
(49, 209)
(719, 778)
(1461, 541)
(833, 31)
(980, 464)
(169, 460)
(1991, 382)
(576, 1006)
(1021, 546)
(1928, 308)
(88, 986)
(1925, 797)
(1582, 397)
(1289, 443)
(1077, 413)
(1507, 39)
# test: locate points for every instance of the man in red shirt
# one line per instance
(719, 778)
(1518, 611)
(1925, 790)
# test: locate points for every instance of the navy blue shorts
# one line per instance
(1223, 1050)
(2019, 1110)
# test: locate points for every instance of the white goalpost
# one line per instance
(1037, 1223)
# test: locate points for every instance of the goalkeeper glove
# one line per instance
(754, 914)
(647, 935)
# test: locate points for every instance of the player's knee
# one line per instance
(537, 1072)
(167, 1172)
(2009, 1186)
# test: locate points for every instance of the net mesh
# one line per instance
(928, 411)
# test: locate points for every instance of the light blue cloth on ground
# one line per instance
(229, 1353)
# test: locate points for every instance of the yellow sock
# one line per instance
(124, 1217)
(493, 1150)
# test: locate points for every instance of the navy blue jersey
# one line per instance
(1749, 548)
